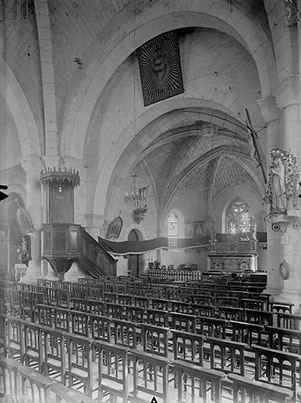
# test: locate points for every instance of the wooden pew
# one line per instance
(229, 312)
(184, 322)
(203, 310)
(159, 303)
(110, 297)
(248, 390)
(227, 301)
(80, 323)
(281, 307)
(62, 393)
(226, 355)
(18, 380)
(141, 302)
(33, 384)
(211, 327)
(43, 314)
(8, 376)
(155, 339)
(113, 310)
(125, 333)
(32, 348)
(259, 317)
(181, 307)
(100, 327)
(14, 340)
(29, 300)
(79, 365)
(188, 346)
(124, 299)
(288, 321)
(203, 299)
(197, 382)
(133, 313)
(112, 371)
(284, 339)
(251, 303)
(277, 367)
(155, 317)
(54, 354)
(249, 333)
(150, 377)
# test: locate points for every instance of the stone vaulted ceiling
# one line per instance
(208, 158)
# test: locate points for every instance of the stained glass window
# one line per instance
(239, 218)
(172, 229)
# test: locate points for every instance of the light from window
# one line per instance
(239, 218)
(172, 230)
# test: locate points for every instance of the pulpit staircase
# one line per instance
(64, 244)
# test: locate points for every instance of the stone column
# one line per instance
(94, 224)
(271, 114)
(289, 100)
(80, 192)
(159, 233)
(32, 166)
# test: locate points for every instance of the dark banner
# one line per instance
(134, 247)
(138, 247)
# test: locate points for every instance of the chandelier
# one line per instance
(137, 199)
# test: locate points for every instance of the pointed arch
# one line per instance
(20, 110)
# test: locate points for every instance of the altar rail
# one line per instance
(173, 275)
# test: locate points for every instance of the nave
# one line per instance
(110, 340)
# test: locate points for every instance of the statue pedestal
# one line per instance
(280, 222)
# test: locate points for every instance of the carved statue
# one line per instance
(283, 182)
(278, 179)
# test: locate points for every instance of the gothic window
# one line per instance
(172, 229)
(239, 218)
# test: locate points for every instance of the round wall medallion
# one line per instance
(284, 270)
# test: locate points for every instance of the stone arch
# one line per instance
(228, 151)
(20, 110)
(88, 87)
(153, 122)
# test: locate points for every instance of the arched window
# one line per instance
(239, 218)
(172, 229)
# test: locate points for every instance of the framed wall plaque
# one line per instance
(115, 227)
(160, 68)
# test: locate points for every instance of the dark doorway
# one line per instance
(135, 262)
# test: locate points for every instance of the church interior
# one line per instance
(150, 203)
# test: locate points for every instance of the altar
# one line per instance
(234, 253)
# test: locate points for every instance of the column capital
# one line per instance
(31, 163)
(94, 220)
(73, 163)
(269, 109)
(287, 93)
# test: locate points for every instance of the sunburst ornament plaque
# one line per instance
(160, 68)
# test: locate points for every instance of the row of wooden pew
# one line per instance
(202, 333)
(98, 367)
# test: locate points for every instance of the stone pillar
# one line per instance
(81, 191)
(32, 166)
(271, 114)
(289, 100)
(159, 233)
(94, 224)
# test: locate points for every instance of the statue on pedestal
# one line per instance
(282, 183)
(278, 179)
